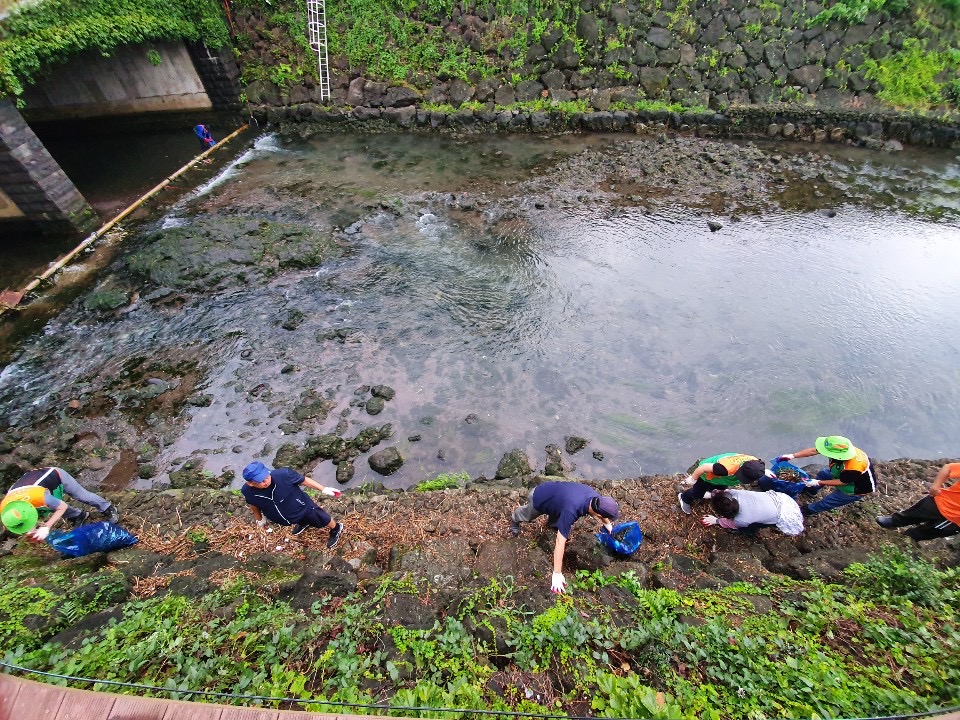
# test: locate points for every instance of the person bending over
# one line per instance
(564, 503)
(747, 511)
(39, 494)
(849, 473)
(718, 472)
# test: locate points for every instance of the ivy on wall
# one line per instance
(37, 37)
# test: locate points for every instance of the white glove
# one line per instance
(608, 527)
(708, 520)
(770, 474)
(332, 492)
(788, 456)
(688, 481)
(812, 483)
(40, 533)
(558, 584)
(262, 522)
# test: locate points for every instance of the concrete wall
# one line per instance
(127, 82)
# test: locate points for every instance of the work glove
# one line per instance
(608, 527)
(332, 492)
(688, 481)
(708, 520)
(558, 584)
(40, 534)
(812, 483)
(262, 522)
(770, 474)
(785, 458)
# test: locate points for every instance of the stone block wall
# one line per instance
(718, 55)
(219, 74)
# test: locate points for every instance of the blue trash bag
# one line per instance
(86, 539)
(629, 534)
(783, 470)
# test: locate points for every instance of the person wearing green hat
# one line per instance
(39, 494)
(849, 473)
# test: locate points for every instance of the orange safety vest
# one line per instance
(32, 494)
(731, 462)
(858, 463)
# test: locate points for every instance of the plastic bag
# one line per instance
(86, 539)
(624, 540)
(789, 480)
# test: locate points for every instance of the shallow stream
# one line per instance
(513, 294)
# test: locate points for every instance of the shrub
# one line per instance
(908, 78)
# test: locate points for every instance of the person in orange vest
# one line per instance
(849, 473)
(39, 494)
(937, 515)
(719, 472)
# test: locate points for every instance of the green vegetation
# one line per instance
(909, 78)
(884, 642)
(852, 12)
(37, 36)
(38, 601)
(401, 40)
(443, 481)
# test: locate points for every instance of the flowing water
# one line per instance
(508, 316)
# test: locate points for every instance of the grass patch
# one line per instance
(443, 482)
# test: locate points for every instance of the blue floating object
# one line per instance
(629, 541)
(92, 538)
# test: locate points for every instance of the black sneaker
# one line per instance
(298, 528)
(515, 528)
(80, 519)
(335, 535)
(110, 514)
(885, 521)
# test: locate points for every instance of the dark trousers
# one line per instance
(700, 488)
(929, 521)
(315, 516)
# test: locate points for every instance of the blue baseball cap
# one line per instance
(255, 472)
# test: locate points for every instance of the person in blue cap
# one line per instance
(564, 503)
(278, 495)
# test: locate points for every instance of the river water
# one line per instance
(511, 301)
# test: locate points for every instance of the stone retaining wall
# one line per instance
(873, 130)
(758, 66)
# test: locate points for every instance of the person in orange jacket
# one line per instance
(937, 515)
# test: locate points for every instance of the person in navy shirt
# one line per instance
(564, 503)
(277, 495)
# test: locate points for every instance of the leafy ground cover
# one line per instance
(882, 642)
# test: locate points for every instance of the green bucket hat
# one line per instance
(836, 447)
(19, 517)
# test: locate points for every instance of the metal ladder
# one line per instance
(317, 30)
